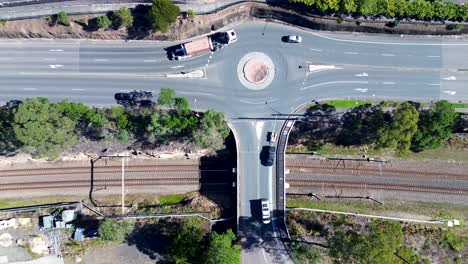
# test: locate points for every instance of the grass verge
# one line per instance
(171, 199)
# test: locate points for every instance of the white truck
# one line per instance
(210, 43)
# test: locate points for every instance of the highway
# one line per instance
(368, 67)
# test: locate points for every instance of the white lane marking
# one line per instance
(101, 60)
(258, 129)
(5, 58)
(49, 59)
(433, 84)
(318, 50)
(78, 89)
(335, 82)
(450, 92)
(263, 253)
(257, 103)
(388, 83)
(176, 67)
(389, 43)
(387, 55)
(149, 60)
(364, 74)
(362, 90)
(55, 66)
(125, 91)
(450, 78)
(350, 53)
(56, 50)
(29, 89)
(433, 56)
(207, 94)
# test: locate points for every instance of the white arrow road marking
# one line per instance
(56, 50)
(450, 92)
(362, 90)
(55, 66)
(364, 74)
(450, 78)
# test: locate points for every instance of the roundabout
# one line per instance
(256, 71)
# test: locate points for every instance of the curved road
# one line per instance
(368, 67)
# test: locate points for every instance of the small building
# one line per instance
(47, 222)
(68, 216)
(78, 236)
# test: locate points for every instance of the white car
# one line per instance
(294, 39)
(272, 137)
(266, 215)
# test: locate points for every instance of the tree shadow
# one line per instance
(153, 239)
(141, 27)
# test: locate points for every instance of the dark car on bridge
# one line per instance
(267, 155)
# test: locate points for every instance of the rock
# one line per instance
(24, 221)
(38, 246)
(6, 240)
(20, 242)
(77, 259)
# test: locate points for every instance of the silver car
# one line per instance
(294, 39)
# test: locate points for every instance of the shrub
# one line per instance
(191, 13)
(123, 136)
(341, 20)
(111, 230)
(103, 22)
(62, 18)
(123, 17)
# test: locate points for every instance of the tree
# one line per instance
(103, 22)
(62, 18)
(123, 135)
(188, 244)
(162, 14)
(111, 230)
(8, 141)
(181, 105)
(376, 247)
(434, 127)
(369, 7)
(399, 132)
(166, 97)
(156, 127)
(123, 17)
(42, 128)
(222, 250)
(75, 111)
(96, 119)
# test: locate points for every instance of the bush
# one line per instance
(103, 22)
(62, 18)
(123, 17)
(96, 119)
(341, 20)
(191, 13)
(111, 230)
(162, 14)
(450, 240)
(123, 136)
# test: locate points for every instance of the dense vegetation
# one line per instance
(405, 127)
(162, 14)
(44, 129)
(419, 9)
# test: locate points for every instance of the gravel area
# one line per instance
(113, 254)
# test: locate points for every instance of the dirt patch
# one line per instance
(203, 24)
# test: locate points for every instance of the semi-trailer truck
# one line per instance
(210, 43)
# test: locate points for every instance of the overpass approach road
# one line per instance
(366, 67)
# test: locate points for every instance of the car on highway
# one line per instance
(267, 155)
(294, 39)
(272, 137)
(266, 212)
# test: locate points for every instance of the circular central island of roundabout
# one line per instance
(256, 70)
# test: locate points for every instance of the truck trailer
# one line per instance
(208, 44)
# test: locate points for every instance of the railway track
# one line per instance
(387, 187)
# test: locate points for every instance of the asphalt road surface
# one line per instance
(368, 67)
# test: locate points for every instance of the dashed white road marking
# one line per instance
(149, 60)
(177, 67)
(450, 78)
(362, 90)
(29, 89)
(350, 53)
(364, 74)
(49, 59)
(388, 83)
(55, 66)
(387, 55)
(56, 50)
(78, 89)
(450, 92)
(5, 58)
(125, 91)
(433, 84)
(433, 56)
(101, 60)
(318, 50)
